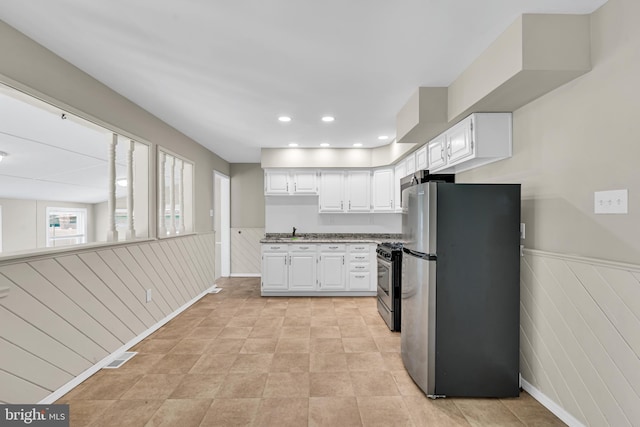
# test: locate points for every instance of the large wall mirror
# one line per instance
(57, 172)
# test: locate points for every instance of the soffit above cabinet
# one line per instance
(423, 116)
(535, 55)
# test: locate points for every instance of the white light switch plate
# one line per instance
(611, 202)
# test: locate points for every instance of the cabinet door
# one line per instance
(459, 142)
(276, 182)
(274, 271)
(359, 191)
(437, 153)
(332, 268)
(410, 162)
(400, 172)
(302, 271)
(331, 191)
(421, 159)
(304, 182)
(383, 190)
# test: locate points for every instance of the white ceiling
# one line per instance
(221, 72)
(50, 158)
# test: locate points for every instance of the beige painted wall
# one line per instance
(36, 70)
(24, 223)
(247, 195)
(581, 138)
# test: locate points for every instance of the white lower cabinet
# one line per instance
(302, 268)
(359, 276)
(318, 268)
(332, 268)
(275, 268)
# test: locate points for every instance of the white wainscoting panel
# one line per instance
(65, 313)
(580, 336)
(245, 251)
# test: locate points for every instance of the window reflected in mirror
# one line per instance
(54, 178)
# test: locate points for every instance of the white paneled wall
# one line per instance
(580, 336)
(65, 313)
(245, 251)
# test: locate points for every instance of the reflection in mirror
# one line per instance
(175, 195)
(54, 185)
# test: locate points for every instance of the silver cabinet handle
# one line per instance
(333, 247)
(359, 277)
(295, 187)
(449, 148)
(274, 247)
(442, 153)
(304, 247)
(390, 203)
(349, 204)
(341, 205)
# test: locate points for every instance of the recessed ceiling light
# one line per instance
(2, 155)
(357, 144)
(284, 119)
(325, 144)
(328, 119)
(293, 144)
(122, 182)
(383, 137)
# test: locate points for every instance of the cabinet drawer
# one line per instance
(275, 247)
(359, 281)
(359, 266)
(303, 248)
(359, 257)
(364, 247)
(333, 247)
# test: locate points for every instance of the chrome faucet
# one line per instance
(294, 232)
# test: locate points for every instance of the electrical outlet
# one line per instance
(148, 295)
(611, 202)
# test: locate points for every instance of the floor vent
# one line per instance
(120, 360)
(214, 289)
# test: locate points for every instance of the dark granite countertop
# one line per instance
(331, 238)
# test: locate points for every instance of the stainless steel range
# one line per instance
(389, 283)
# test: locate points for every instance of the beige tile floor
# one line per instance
(236, 358)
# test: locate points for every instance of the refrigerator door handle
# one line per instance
(428, 257)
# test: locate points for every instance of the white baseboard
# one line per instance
(95, 368)
(552, 406)
(245, 275)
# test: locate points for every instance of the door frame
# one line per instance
(222, 198)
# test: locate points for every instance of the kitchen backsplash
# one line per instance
(284, 213)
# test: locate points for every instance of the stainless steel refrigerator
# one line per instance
(461, 288)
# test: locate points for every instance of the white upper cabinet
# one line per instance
(276, 182)
(410, 163)
(286, 182)
(459, 141)
(421, 159)
(305, 182)
(358, 191)
(477, 140)
(383, 190)
(345, 191)
(399, 173)
(437, 153)
(332, 191)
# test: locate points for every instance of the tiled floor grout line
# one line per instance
(352, 376)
